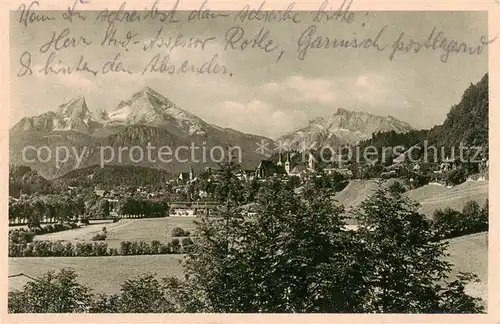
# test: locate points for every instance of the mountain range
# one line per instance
(342, 128)
(149, 117)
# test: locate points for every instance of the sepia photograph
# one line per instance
(247, 161)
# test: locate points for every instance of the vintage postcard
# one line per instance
(329, 158)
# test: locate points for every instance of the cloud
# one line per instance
(301, 89)
(368, 90)
(254, 116)
(374, 90)
(75, 80)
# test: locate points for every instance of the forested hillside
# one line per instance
(24, 180)
(110, 176)
(467, 123)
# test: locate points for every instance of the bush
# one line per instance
(450, 223)
(125, 247)
(100, 249)
(15, 250)
(187, 244)
(165, 249)
(397, 188)
(179, 232)
(28, 250)
(87, 249)
(57, 249)
(186, 241)
(101, 236)
(456, 177)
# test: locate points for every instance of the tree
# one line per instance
(143, 295)
(405, 260)
(52, 293)
(397, 188)
(251, 188)
(178, 232)
(103, 208)
(447, 222)
(292, 257)
(456, 177)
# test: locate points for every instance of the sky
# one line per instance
(262, 96)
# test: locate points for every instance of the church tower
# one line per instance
(287, 163)
(279, 161)
(191, 173)
(311, 162)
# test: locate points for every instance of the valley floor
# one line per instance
(102, 274)
(144, 229)
(106, 274)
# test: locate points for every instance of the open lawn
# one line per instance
(454, 198)
(430, 197)
(469, 253)
(358, 190)
(145, 229)
(102, 274)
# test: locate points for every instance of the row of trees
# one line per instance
(142, 206)
(87, 249)
(57, 208)
(35, 209)
(24, 236)
(61, 293)
(451, 223)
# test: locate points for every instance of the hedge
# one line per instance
(179, 232)
(450, 223)
(20, 235)
(87, 249)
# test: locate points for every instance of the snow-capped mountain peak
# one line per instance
(74, 115)
(148, 107)
(344, 127)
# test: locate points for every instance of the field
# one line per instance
(146, 229)
(102, 274)
(106, 274)
(470, 254)
(357, 191)
(430, 197)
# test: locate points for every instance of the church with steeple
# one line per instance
(303, 169)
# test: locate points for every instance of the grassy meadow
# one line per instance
(145, 229)
(102, 274)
